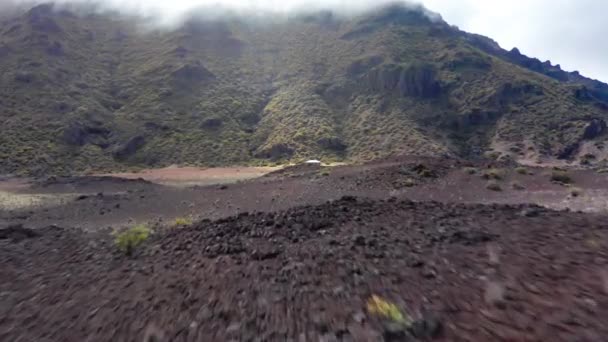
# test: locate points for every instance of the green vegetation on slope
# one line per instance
(95, 92)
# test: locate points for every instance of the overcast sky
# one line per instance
(569, 32)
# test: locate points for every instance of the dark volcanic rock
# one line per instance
(17, 233)
(233, 278)
(418, 80)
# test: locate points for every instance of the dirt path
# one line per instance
(190, 176)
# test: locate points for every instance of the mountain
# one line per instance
(87, 90)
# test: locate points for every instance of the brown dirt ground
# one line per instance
(286, 257)
(189, 176)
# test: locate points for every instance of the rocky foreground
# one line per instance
(455, 272)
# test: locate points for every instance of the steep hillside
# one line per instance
(83, 91)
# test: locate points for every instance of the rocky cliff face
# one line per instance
(418, 80)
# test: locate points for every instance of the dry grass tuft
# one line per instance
(470, 170)
(496, 174)
(517, 186)
(493, 185)
(561, 176)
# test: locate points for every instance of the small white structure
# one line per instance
(312, 162)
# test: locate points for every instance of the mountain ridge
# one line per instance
(98, 92)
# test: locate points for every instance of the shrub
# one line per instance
(381, 307)
(521, 170)
(517, 186)
(491, 155)
(493, 185)
(128, 240)
(182, 221)
(561, 177)
(602, 171)
(470, 170)
(324, 173)
(493, 174)
(409, 183)
(427, 173)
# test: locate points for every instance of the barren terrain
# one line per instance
(298, 253)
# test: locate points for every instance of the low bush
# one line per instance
(130, 239)
(521, 170)
(387, 310)
(470, 170)
(561, 176)
(493, 174)
(182, 221)
(517, 186)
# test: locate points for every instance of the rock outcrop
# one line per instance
(333, 143)
(193, 72)
(77, 134)
(276, 152)
(590, 130)
(417, 80)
